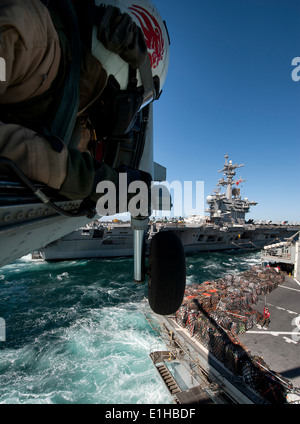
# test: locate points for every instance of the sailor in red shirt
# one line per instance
(266, 317)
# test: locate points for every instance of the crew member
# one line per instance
(266, 317)
(73, 67)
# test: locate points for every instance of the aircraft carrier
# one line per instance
(225, 228)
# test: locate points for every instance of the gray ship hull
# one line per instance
(99, 242)
(116, 240)
(209, 238)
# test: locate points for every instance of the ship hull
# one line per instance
(117, 240)
(212, 238)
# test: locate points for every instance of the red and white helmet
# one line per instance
(146, 16)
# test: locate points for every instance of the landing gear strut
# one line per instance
(139, 227)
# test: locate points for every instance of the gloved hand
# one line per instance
(119, 34)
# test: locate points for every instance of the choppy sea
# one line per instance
(75, 333)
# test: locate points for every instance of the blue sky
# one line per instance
(230, 90)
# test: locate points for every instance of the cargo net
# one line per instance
(216, 312)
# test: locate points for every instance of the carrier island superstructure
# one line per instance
(225, 228)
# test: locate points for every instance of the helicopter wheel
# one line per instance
(167, 273)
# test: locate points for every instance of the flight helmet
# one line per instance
(152, 74)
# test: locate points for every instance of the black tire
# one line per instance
(167, 273)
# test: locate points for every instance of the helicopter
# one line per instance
(34, 214)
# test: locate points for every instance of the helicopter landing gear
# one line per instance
(166, 268)
(167, 273)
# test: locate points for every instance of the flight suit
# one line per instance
(36, 51)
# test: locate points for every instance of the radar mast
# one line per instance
(229, 172)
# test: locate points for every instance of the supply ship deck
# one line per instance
(279, 344)
(217, 353)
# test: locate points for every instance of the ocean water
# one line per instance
(75, 333)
